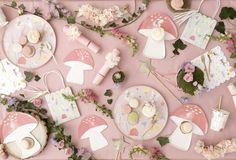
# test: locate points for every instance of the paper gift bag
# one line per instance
(62, 110)
(199, 27)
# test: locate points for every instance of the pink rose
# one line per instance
(230, 49)
(68, 151)
(61, 144)
(189, 68)
(188, 77)
(37, 102)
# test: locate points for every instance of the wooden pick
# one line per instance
(220, 103)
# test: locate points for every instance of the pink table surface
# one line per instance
(130, 66)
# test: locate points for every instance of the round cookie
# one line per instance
(133, 118)
(33, 36)
(186, 127)
(149, 110)
(22, 40)
(28, 51)
(133, 102)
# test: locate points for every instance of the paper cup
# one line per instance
(3, 18)
(219, 119)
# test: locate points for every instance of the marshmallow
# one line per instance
(17, 48)
(149, 110)
(22, 40)
(33, 36)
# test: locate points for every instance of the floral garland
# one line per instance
(61, 140)
(88, 96)
(154, 153)
(106, 19)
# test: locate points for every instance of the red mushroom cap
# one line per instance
(80, 55)
(15, 120)
(90, 122)
(191, 113)
(160, 20)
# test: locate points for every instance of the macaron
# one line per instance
(33, 36)
(133, 102)
(127, 109)
(22, 40)
(28, 51)
(133, 118)
(16, 48)
(149, 110)
(186, 127)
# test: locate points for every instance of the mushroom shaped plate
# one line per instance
(42, 51)
(23, 135)
(140, 122)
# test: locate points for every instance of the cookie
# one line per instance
(133, 102)
(23, 40)
(149, 110)
(186, 127)
(33, 36)
(133, 118)
(28, 51)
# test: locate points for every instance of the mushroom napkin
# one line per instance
(79, 60)
(215, 66)
(62, 110)
(11, 78)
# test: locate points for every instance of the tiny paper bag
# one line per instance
(61, 109)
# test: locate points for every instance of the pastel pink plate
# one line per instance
(43, 50)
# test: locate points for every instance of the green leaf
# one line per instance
(9, 109)
(124, 21)
(234, 65)
(163, 140)
(233, 55)
(37, 78)
(71, 20)
(70, 97)
(179, 44)
(220, 27)
(227, 12)
(28, 76)
(108, 93)
(109, 101)
(13, 4)
(176, 52)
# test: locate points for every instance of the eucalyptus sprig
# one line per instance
(88, 96)
(138, 149)
(57, 131)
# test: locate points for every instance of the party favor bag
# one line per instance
(62, 110)
(199, 27)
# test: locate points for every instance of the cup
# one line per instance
(3, 19)
(219, 119)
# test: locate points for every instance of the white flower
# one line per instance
(195, 83)
(112, 59)
(72, 31)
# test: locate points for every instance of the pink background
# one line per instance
(130, 66)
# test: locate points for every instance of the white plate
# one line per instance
(20, 26)
(143, 94)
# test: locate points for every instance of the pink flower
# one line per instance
(230, 49)
(87, 95)
(188, 77)
(61, 144)
(68, 151)
(230, 42)
(37, 102)
(189, 68)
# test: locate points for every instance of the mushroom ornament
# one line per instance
(91, 127)
(79, 60)
(157, 28)
(190, 119)
(17, 127)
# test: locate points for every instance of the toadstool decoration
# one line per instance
(190, 119)
(157, 28)
(17, 127)
(79, 60)
(91, 127)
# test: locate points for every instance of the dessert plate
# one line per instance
(136, 123)
(43, 50)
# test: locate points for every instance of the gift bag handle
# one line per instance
(216, 11)
(58, 73)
